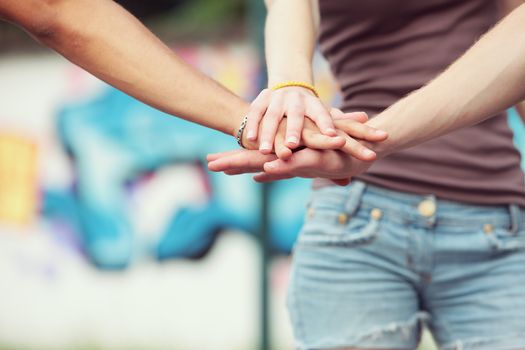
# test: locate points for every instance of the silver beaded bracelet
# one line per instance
(240, 131)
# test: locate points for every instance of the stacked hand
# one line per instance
(329, 148)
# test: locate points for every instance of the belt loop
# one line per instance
(515, 218)
(357, 189)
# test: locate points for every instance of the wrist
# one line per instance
(407, 122)
(237, 120)
(298, 86)
(392, 120)
(236, 116)
(280, 78)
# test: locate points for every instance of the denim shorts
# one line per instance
(372, 266)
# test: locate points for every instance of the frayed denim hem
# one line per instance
(395, 334)
(507, 342)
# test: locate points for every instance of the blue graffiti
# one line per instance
(516, 124)
(113, 140)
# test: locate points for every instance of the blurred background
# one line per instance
(113, 234)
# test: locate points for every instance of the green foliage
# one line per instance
(202, 18)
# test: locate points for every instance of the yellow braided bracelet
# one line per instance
(296, 83)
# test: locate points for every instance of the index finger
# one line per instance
(241, 162)
(213, 156)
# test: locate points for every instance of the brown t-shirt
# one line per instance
(380, 50)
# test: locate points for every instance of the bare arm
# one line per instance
(507, 6)
(290, 37)
(489, 78)
(106, 40)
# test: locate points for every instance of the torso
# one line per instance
(380, 50)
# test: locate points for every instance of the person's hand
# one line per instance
(311, 163)
(352, 127)
(349, 126)
(307, 163)
(310, 137)
(296, 103)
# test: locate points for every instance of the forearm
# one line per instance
(489, 78)
(103, 38)
(290, 36)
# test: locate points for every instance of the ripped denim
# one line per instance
(372, 266)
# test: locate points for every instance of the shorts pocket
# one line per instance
(332, 226)
(501, 239)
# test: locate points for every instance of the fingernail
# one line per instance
(292, 139)
(330, 130)
(368, 153)
(265, 146)
(251, 135)
(380, 132)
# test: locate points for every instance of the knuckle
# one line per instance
(351, 143)
(319, 114)
(252, 119)
(292, 131)
(272, 115)
(296, 108)
(256, 106)
(278, 92)
(324, 116)
(252, 125)
(267, 135)
(368, 129)
(263, 95)
(310, 98)
(294, 95)
(351, 124)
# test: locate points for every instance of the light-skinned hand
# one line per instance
(297, 104)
